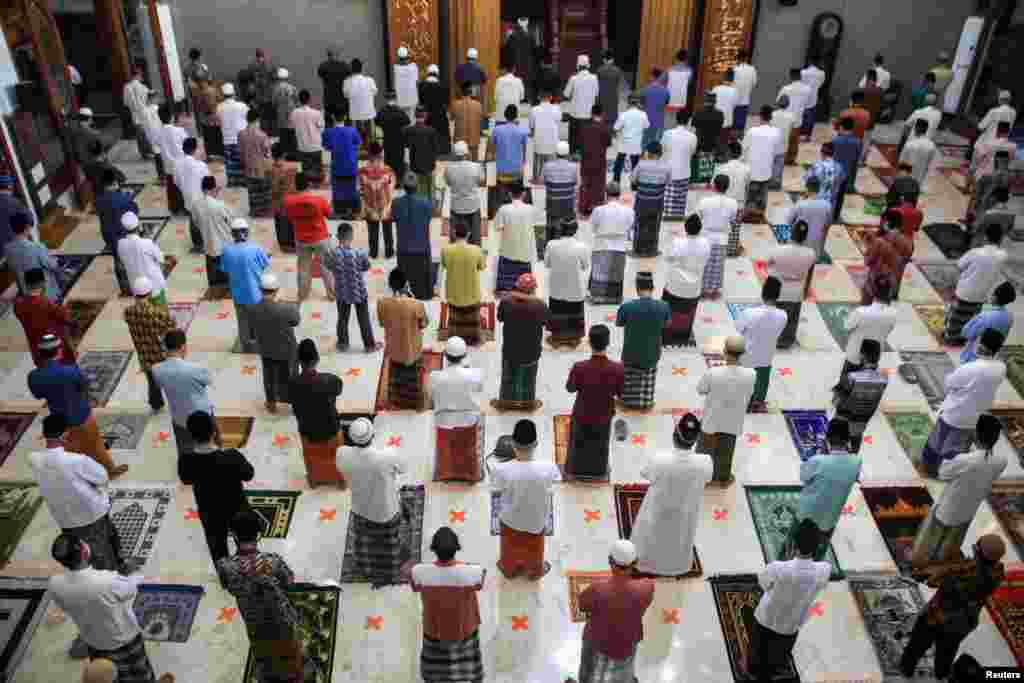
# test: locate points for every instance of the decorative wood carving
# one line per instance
(665, 28)
(475, 23)
(413, 23)
(727, 28)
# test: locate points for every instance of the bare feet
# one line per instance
(118, 471)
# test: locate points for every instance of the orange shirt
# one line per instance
(861, 120)
(308, 213)
(448, 590)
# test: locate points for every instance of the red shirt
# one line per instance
(40, 316)
(597, 382)
(616, 614)
(861, 120)
(912, 219)
(308, 213)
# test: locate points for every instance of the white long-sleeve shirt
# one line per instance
(933, 115)
(791, 263)
(981, 269)
(717, 213)
(761, 327)
(567, 259)
(988, 125)
(686, 260)
(611, 224)
(100, 603)
(406, 78)
(790, 588)
(799, 94)
(726, 99)
(360, 91)
(884, 78)
(452, 390)
(868, 322)
(525, 488)
(970, 476)
(970, 390)
(142, 258)
(632, 123)
(232, 115)
(581, 91)
(135, 97)
(679, 144)
(372, 473)
(813, 78)
(72, 486)
(759, 147)
(545, 123)
(508, 89)
(170, 140)
(727, 390)
(919, 152)
(745, 81)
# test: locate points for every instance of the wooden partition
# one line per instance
(475, 23)
(413, 23)
(665, 28)
(728, 25)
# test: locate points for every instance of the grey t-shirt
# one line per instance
(463, 178)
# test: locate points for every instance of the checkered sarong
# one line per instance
(733, 248)
(404, 390)
(378, 549)
(714, 270)
(131, 661)
(233, 164)
(638, 392)
(447, 661)
(675, 200)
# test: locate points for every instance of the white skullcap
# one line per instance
(86, 112)
(228, 89)
(49, 341)
(460, 148)
(282, 73)
(129, 221)
(403, 52)
(562, 149)
(141, 286)
(931, 98)
(433, 69)
(623, 552)
(471, 53)
(239, 224)
(583, 60)
(361, 431)
(1005, 96)
(269, 283)
(456, 347)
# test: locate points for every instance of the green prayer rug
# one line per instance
(19, 501)
(1014, 359)
(277, 508)
(774, 509)
(834, 314)
(912, 430)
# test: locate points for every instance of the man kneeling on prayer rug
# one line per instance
(460, 426)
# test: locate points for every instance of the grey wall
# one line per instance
(294, 34)
(909, 33)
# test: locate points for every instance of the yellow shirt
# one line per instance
(462, 263)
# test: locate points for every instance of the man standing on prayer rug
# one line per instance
(857, 395)
(679, 77)
(738, 173)
(632, 126)
(509, 91)
(273, 323)
(307, 212)
(333, 72)
(360, 91)
(727, 390)
(308, 124)
(244, 262)
(929, 113)
(873, 321)
(581, 95)
(687, 258)
(611, 223)
(213, 219)
(467, 116)
(170, 141)
(560, 179)
(545, 122)
(919, 152)
(392, 121)
(799, 94)
(424, 146)
(457, 416)
(997, 212)
(406, 76)
(259, 581)
(609, 82)
(679, 144)
(649, 179)
(955, 608)
(597, 382)
(999, 317)
(525, 486)
(783, 121)
(314, 396)
(829, 173)
(970, 390)
(434, 98)
(403, 319)
(814, 77)
(135, 97)
(759, 146)
(463, 263)
(744, 80)
(283, 178)
(996, 115)
(791, 263)
(12, 206)
(980, 269)
(233, 115)
(523, 315)
(518, 249)
(726, 97)
(761, 328)
(412, 213)
(189, 173)
(187, 387)
(24, 253)
(886, 257)
(508, 146)
(667, 522)
(40, 317)
(142, 258)
(471, 74)
(904, 187)
(644, 320)
(148, 322)
(717, 214)
(615, 610)
(349, 267)
(284, 98)
(343, 141)
(970, 475)
(254, 147)
(873, 103)
(708, 123)
(848, 151)
(451, 613)
(982, 161)
(655, 98)
(464, 178)
(567, 259)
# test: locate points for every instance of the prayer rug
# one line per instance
(1013, 428)
(807, 429)
(170, 261)
(19, 501)
(889, 606)
(948, 237)
(318, 608)
(23, 605)
(934, 318)
(487, 322)
(736, 598)
(413, 500)
(549, 525)
(138, 513)
(276, 508)
(942, 277)
(217, 293)
(432, 360)
(782, 232)
(1006, 607)
(956, 177)
(628, 499)
(183, 314)
(1013, 356)
(446, 223)
(928, 370)
(12, 427)
(714, 360)
(71, 268)
(579, 582)
(166, 611)
(859, 233)
(898, 512)
(774, 510)
(450, 442)
(83, 315)
(122, 432)
(890, 152)
(912, 430)
(1007, 502)
(103, 370)
(234, 430)
(834, 314)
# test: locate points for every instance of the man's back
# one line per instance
(72, 486)
(615, 610)
(216, 479)
(462, 263)
(412, 214)
(64, 388)
(308, 214)
(596, 381)
(644, 319)
(259, 582)
(314, 402)
(372, 473)
(185, 385)
(244, 262)
(463, 179)
(100, 604)
(110, 206)
(728, 389)
(790, 589)
(403, 319)
(523, 318)
(424, 145)
(509, 147)
(274, 323)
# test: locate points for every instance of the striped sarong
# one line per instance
(714, 270)
(518, 382)
(732, 249)
(958, 315)
(404, 389)
(538, 167)
(508, 272)
(131, 661)
(589, 446)
(945, 442)
(638, 392)
(607, 271)
(233, 165)
(451, 661)
(679, 331)
(675, 200)
(260, 197)
(464, 321)
(567, 320)
(378, 549)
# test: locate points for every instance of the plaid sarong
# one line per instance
(451, 661)
(638, 392)
(597, 667)
(508, 272)
(518, 382)
(675, 200)
(404, 390)
(959, 314)
(732, 249)
(233, 165)
(607, 271)
(567, 320)
(103, 540)
(378, 548)
(464, 321)
(714, 270)
(131, 661)
(260, 197)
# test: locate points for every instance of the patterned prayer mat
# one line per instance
(19, 501)
(549, 525)
(928, 370)
(956, 177)
(166, 611)
(122, 432)
(628, 499)
(103, 370)
(12, 427)
(487, 322)
(889, 606)
(1007, 502)
(807, 429)
(834, 314)
(1006, 607)
(859, 233)
(277, 508)
(23, 605)
(948, 237)
(1013, 428)
(736, 598)
(934, 318)
(83, 315)
(235, 430)
(898, 512)
(911, 430)
(774, 510)
(432, 360)
(447, 452)
(71, 268)
(183, 314)
(138, 514)
(579, 582)
(1013, 355)
(889, 152)
(413, 499)
(942, 277)
(318, 608)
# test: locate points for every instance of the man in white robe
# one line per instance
(727, 390)
(1003, 112)
(581, 92)
(919, 152)
(407, 76)
(457, 416)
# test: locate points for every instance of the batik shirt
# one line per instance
(259, 583)
(376, 184)
(349, 265)
(830, 175)
(148, 323)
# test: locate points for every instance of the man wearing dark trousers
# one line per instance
(273, 323)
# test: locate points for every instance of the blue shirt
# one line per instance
(185, 385)
(343, 144)
(244, 263)
(827, 480)
(847, 151)
(349, 265)
(412, 214)
(830, 175)
(65, 390)
(656, 98)
(10, 206)
(997, 318)
(110, 206)
(509, 148)
(23, 255)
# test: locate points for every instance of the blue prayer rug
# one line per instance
(807, 429)
(166, 611)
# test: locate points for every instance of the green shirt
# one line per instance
(644, 319)
(462, 263)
